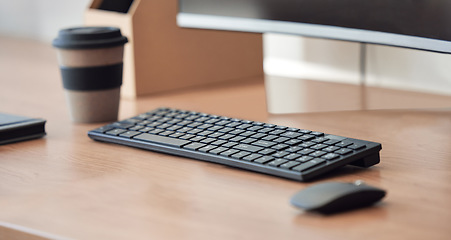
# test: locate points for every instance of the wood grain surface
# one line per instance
(70, 187)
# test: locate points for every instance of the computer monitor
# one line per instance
(417, 24)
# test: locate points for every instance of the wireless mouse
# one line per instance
(332, 197)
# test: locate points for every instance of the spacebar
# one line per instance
(174, 142)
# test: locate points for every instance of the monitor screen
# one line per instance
(418, 24)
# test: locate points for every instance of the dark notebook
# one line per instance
(15, 128)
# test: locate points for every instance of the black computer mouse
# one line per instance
(332, 197)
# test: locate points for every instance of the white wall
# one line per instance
(338, 61)
(39, 19)
(285, 55)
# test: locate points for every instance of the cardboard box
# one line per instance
(161, 56)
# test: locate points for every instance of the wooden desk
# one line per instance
(68, 186)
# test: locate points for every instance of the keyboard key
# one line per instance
(294, 149)
(317, 134)
(293, 142)
(194, 146)
(277, 132)
(103, 129)
(317, 154)
(152, 130)
(265, 130)
(207, 148)
(330, 156)
(123, 125)
(176, 135)
(215, 135)
(264, 159)
(292, 156)
(174, 128)
(244, 126)
(218, 150)
(344, 143)
(205, 126)
(304, 159)
(208, 140)
(214, 128)
(187, 136)
(229, 152)
(236, 132)
(280, 146)
(248, 140)
(267, 151)
(291, 134)
(289, 164)
(162, 126)
(204, 133)
(306, 144)
(263, 143)
(343, 151)
(237, 139)
(258, 135)
(218, 142)
(277, 162)
(306, 151)
(233, 125)
(222, 122)
(280, 154)
(306, 137)
(240, 155)
(226, 129)
(320, 140)
(230, 144)
(252, 157)
(331, 149)
(318, 146)
(247, 133)
(356, 146)
(129, 134)
(331, 142)
(174, 142)
(254, 128)
(136, 128)
(270, 137)
(310, 164)
(166, 133)
(226, 136)
(281, 139)
(202, 119)
(196, 139)
(195, 131)
(212, 121)
(184, 129)
(116, 131)
(247, 147)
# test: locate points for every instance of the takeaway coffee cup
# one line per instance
(90, 60)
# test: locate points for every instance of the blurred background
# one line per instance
(288, 56)
(39, 19)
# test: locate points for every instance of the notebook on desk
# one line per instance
(15, 128)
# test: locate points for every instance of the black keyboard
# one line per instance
(281, 151)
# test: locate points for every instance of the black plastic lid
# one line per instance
(89, 37)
